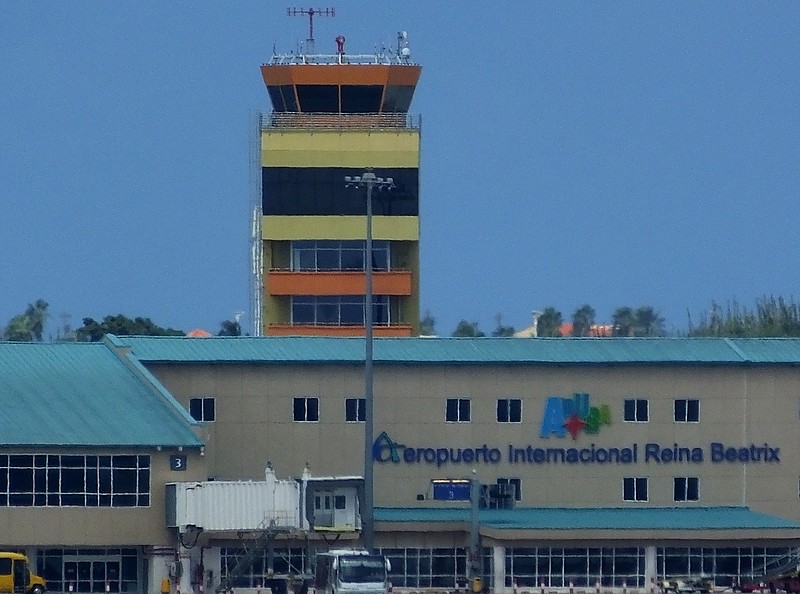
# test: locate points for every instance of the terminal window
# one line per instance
(458, 410)
(306, 409)
(53, 480)
(634, 489)
(515, 483)
(686, 488)
(355, 409)
(687, 410)
(509, 410)
(637, 410)
(202, 409)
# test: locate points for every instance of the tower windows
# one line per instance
(320, 191)
(338, 310)
(327, 255)
(318, 98)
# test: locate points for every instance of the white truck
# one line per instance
(351, 571)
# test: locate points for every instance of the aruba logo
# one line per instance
(574, 415)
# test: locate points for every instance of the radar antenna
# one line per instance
(310, 12)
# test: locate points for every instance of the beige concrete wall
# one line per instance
(738, 407)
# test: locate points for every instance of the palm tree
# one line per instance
(28, 326)
(583, 320)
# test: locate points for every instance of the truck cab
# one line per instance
(16, 576)
(351, 571)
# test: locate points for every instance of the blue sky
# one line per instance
(609, 153)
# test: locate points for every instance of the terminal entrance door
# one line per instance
(87, 573)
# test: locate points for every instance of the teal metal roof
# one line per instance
(83, 394)
(546, 351)
(661, 518)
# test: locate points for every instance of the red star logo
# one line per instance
(574, 425)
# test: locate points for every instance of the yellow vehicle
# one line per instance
(16, 576)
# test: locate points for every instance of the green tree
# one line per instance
(229, 328)
(771, 317)
(550, 323)
(427, 325)
(583, 320)
(467, 329)
(500, 330)
(648, 322)
(643, 321)
(93, 331)
(624, 321)
(28, 326)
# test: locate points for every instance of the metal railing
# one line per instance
(334, 121)
(382, 58)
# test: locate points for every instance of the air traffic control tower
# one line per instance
(333, 116)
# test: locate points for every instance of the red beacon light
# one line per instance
(340, 44)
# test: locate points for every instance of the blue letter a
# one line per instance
(553, 418)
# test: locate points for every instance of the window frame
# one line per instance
(636, 483)
(75, 480)
(686, 405)
(507, 404)
(463, 410)
(336, 310)
(360, 410)
(512, 480)
(682, 487)
(306, 412)
(637, 412)
(204, 402)
(307, 255)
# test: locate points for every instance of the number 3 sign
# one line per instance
(177, 462)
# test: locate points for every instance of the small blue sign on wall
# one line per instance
(450, 489)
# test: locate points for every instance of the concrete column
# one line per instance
(212, 560)
(499, 569)
(185, 582)
(650, 570)
(158, 561)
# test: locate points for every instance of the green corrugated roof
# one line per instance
(83, 394)
(556, 351)
(661, 518)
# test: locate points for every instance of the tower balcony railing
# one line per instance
(334, 121)
(384, 58)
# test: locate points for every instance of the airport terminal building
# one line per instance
(617, 462)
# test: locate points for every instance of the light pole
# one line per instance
(369, 181)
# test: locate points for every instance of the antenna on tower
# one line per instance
(403, 51)
(310, 12)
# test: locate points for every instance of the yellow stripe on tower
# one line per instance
(287, 228)
(396, 148)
